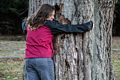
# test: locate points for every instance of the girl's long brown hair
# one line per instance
(40, 16)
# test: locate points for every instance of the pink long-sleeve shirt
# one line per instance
(39, 43)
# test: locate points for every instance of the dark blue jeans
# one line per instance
(39, 69)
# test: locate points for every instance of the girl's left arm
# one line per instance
(57, 27)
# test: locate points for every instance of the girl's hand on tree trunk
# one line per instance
(86, 26)
(90, 25)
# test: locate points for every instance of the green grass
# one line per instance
(116, 64)
(11, 70)
(115, 46)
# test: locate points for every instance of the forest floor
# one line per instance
(12, 54)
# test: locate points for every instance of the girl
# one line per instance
(39, 47)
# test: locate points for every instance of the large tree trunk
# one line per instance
(83, 56)
(103, 16)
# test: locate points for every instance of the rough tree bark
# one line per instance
(83, 56)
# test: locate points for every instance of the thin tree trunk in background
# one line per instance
(83, 56)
